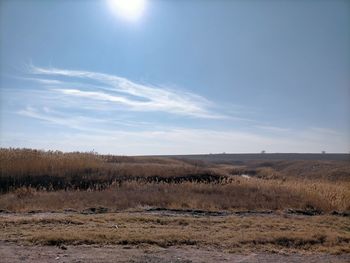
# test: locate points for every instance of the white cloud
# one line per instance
(48, 115)
(272, 128)
(95, 118)
(77, 122)
(133, 96)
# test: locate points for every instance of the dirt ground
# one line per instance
(10, 252)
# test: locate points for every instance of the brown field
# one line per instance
(74, 199)
(234, 233)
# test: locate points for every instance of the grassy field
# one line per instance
(54, 198)
(230, 233)
(49, 181)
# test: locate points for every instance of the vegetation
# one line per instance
(32, 179)
(253, 206)
(89, 171)
(230, 233)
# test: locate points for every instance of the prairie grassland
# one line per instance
(89, 171)
(38, 180)
(127, 187)
(237, 194)
(231, 233)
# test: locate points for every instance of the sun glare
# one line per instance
(128, 9)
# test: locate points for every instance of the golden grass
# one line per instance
(39, 180)
(231, 233)
(56, 181)
(56, 170)
(304, 169)
(236, 194)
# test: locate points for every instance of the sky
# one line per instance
(175, 77)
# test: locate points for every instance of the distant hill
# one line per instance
(237, 158)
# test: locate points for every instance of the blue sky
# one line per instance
(185, 77)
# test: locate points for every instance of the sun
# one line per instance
(128, 9)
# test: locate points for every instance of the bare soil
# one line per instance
(11, 252)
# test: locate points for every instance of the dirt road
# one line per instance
(10, 252)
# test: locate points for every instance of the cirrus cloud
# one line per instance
(133, 96)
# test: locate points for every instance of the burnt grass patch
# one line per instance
(90, 181)
(288, 242)
(53, 241)
(160, 243)
(192, 212)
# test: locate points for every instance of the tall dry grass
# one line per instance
(331, 170)
(54, 170)
(237, 194)
(32, 179)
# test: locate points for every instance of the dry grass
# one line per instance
(236, 194)
(314, 170)
(38, 180)
(55, 181)
(231, 233)
(72, 171)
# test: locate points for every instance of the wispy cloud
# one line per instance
(89, 110)
(272, 128)
(133, 96)
(102, 126)
(48, 115)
